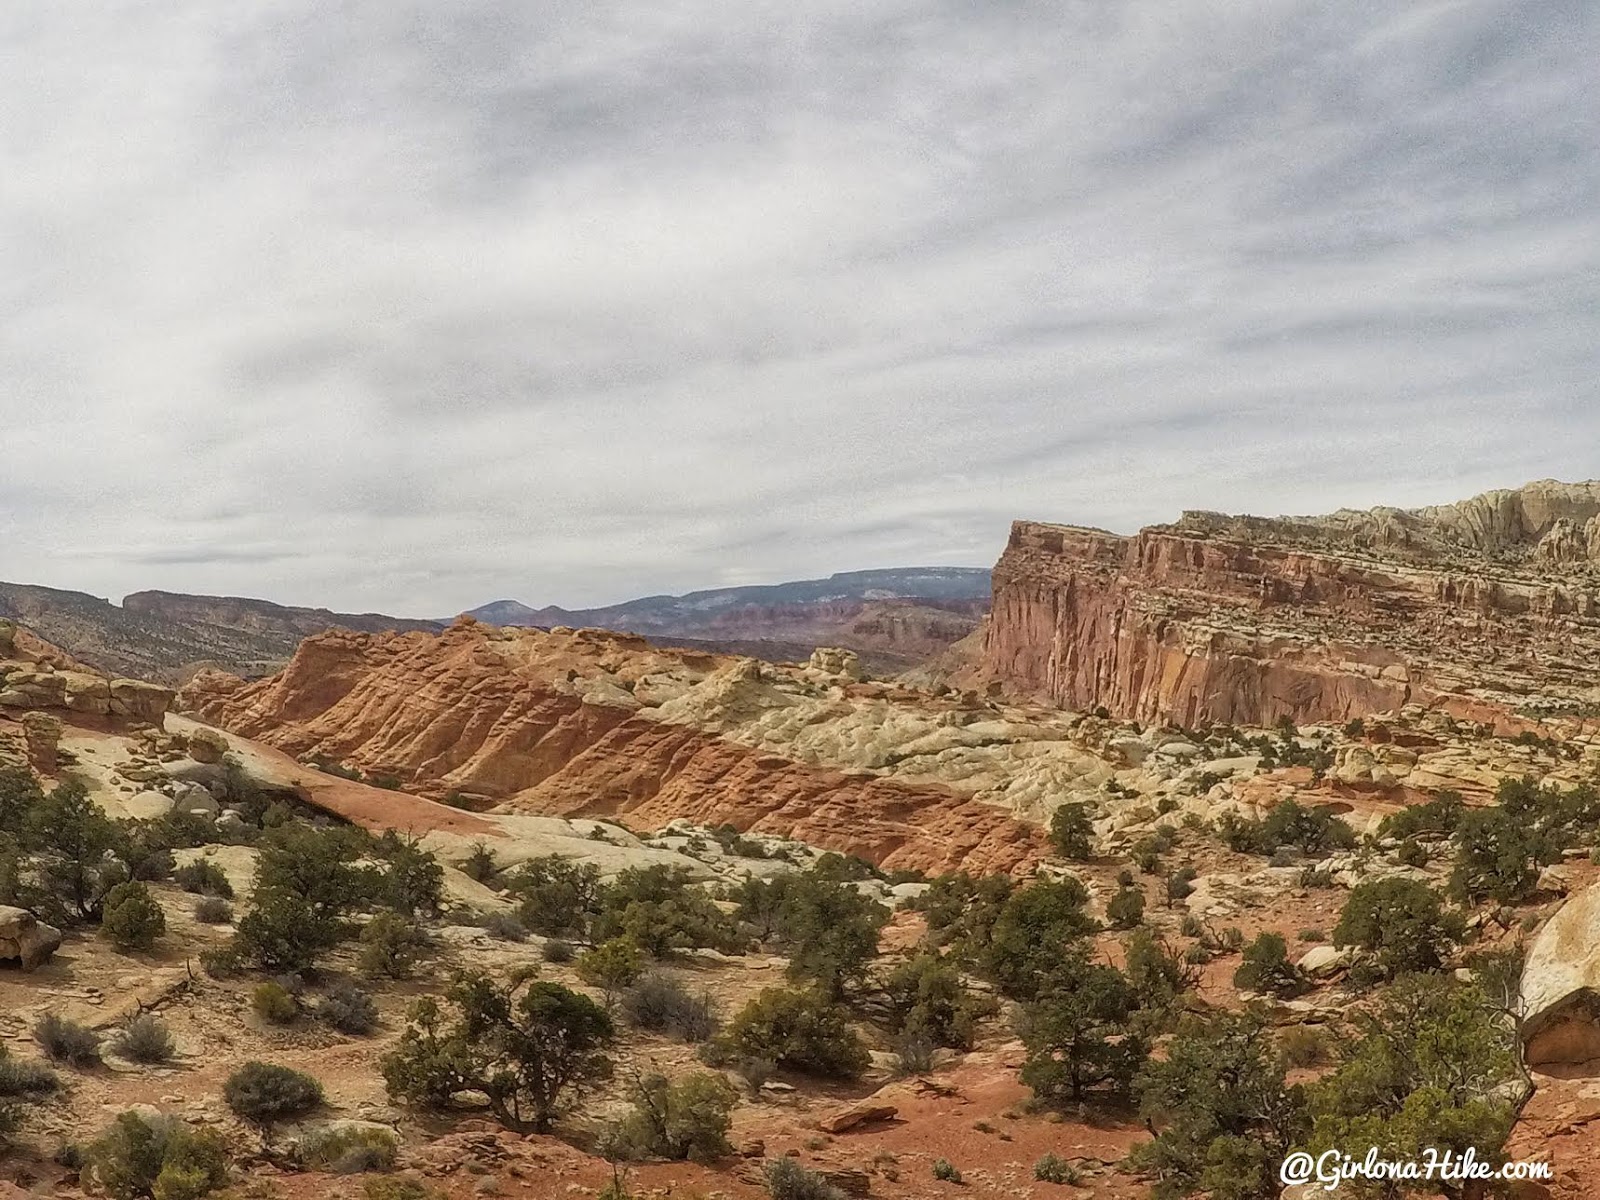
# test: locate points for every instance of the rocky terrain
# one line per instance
(1490, 603)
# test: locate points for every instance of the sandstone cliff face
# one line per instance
(588, 723)
(1245, 620)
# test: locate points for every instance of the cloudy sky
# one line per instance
(410, 304)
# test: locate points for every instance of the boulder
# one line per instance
(147, 806)
(139, 700)
(24, 938)
(194, 798)
(207, 746)
(1561, 986)
(1321, 962)
(832, 660)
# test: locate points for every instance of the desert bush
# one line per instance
(213, 910)
(913, 1053)
(1126, 908)
(22, 1083)
(349, 1149)
(788, 1180)
(266, 1093)
(144, 1039)
(557, 951)
(928, 1002)
(678, 1119)
(1303, 1045)
(1266, 968)
(203, 877)
(131, 919)
(798, 1030)
(274, 1004)
(1080, 1032)
(392, 945)
(349, 1009)
(529, 1047)
(508, 927)
(68, 1042)
(945, 1171)
(159, 1157)
(611, 966)
(1053, 1169)
(1071, 832)
(661, 1004)
(479, 863)
(398, 1187)
(1400, 924)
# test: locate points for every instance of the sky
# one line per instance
(407, 305)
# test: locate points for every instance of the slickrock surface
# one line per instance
(1491, 602)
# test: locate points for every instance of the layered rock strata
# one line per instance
(1245, 620)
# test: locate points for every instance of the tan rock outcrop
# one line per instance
(24, 939)
(1561, 987)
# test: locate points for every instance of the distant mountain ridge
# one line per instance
(894, 617)
(695, 609)
(162, 635)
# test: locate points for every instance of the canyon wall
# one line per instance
(1246, 620)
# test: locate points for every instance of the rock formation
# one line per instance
(1493, 601)
(36, 676)
(24, 939)
(570, 723)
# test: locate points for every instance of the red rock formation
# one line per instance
(1242, 620)
(550, 723)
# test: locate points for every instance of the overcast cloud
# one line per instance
(411, 304)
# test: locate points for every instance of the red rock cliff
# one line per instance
(1243, 620)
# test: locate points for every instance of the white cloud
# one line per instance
(408, 304)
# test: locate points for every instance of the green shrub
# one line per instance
(65, 1041)
(557, 951)
(349, 1149)
(1266, 968)
(144, 1039)
(398, 1187)
(159, 1157)
(802, 1031)
(945, 1171)
(928, 1003)
(266, 1093)
(204, 878)
(131, 918)
(679, 1119)
(1303, 1045)
(274, 1004)
(1400, 924)
(529, 1047)
(349, 1009)
(1126, 908)
(1054, 1169)
(479, 864)
(392, 945)
(1071, 832)
(611, 966)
